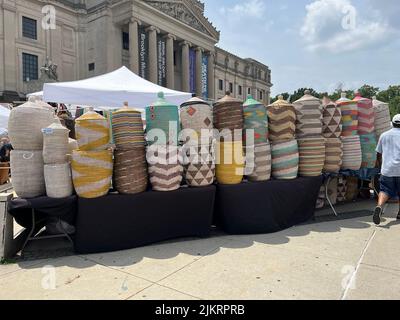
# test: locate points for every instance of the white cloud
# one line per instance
(246, 9)
(337, 26)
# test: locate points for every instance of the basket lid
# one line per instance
(90, 115)
(378, 103)
(307, 97)
(194, 101)
(55, 127)
(161, 101)
(343, 98)
(251, 101)
(281, 102)
(358, 97)
(227, 99)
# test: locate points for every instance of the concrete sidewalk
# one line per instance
(347, 259)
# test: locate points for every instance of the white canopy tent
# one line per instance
(4, 116)
(110, 91)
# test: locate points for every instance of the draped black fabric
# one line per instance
(118, 222)
(21, 209)
(266, 207)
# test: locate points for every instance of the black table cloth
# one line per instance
(21, 209)
(119, 222)
(266, 207)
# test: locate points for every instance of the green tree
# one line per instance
(368, 91)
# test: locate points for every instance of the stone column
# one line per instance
(170, 61)
(211, 76)
(134, 45)
(153, 77)
(185, 67)
(199, 63)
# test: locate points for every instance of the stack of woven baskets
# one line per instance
(309, 135)
(92, 163)
(228, 119)
(382, 117)
(284, 147)
(130, 166)
(199, 154)
(366, 131)
(257, 146)
(57, 169)
(25, 131)
(352, 155)
(332, 130)
(164, 155)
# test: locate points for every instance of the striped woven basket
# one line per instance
(342, 189)
(332, 121)
(92, 173)
(27, 173)
(92, 132)
(352, 189)
(349, 110)
(255, 119)
(55, 144)
(368, 149)
(366, 115)
(199, 165)
(230, 162)
(258, 162)
(196, 115)
(25, 126)
(58, 178)
(130, 170)
(162, 123)
(309, 116)
(382, 117)
(165, 167)
(312, 156)
(127, 127)
(282, 120)
(333, 155)
(352, 155)
(228, 114)
(285, 159)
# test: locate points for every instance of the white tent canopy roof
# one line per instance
(111, 90)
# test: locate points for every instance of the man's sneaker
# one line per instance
(377, 215)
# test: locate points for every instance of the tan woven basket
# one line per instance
(55, 144)
(58, 178)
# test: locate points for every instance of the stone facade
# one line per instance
(92, 37)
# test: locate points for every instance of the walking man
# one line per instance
(389, 148)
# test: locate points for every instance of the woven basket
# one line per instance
(342, 189)
(309, 116)
(72, 145)
(368, 149)
(332, 121)
(196, 115)
(165, 167)
(333, 155)
(282, 120)
(27, 173)
(256, 119)
(55, 144)
(258, 162)
(25, 126)
(130, 170)
(349, 110)
(228, 114)
(352, 189)
(127, 127)
(162, 123)
(58, 178)
(199, 164)
(92, 173)
(285, 159)
(230, 162)
(352, 154)
(332, 193)
(366, 115)
(4, 172)
(92, 132)
(382, 117)
(312, 156)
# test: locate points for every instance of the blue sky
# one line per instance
(319, 44)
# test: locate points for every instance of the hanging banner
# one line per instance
(143, 53)
(204, 76)
(162, 61)
(192, 70)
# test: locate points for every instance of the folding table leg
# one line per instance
(328, 198)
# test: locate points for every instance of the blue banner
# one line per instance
(204, 76)
(192, 70)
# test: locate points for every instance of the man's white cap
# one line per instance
(396, 119)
